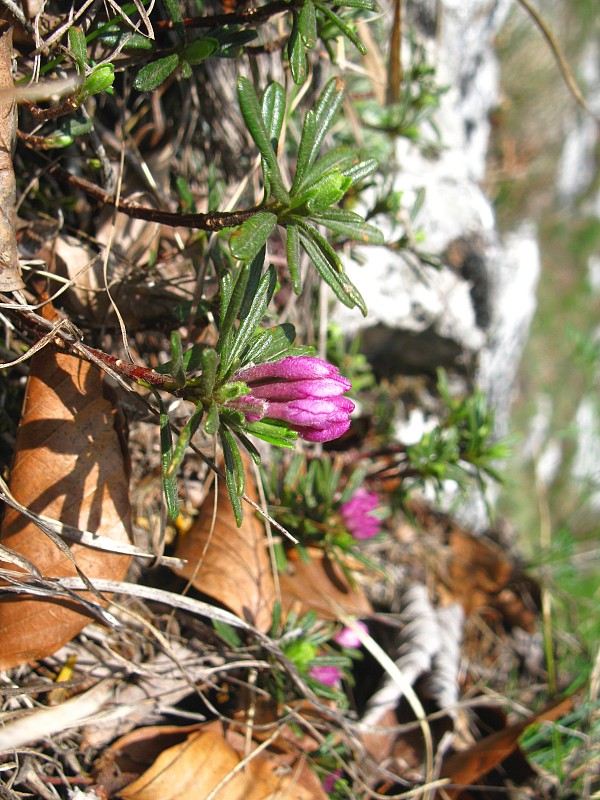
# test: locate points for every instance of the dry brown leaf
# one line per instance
(192, 770)
(68, 466)
(228, 563)
(10, 278)
(467, 767)
(320, 585)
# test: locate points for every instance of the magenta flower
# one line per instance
(348, 638)
(304, 392)
(330, 676)
(358, 516)
(330, 780)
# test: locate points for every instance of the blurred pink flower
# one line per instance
(348, 637)
(330, 676)
(302, 391)
(358, 517)
(329, 781)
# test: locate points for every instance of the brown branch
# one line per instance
(211, 221)
(10, 276)
(248, 16)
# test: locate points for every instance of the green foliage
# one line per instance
(305, 496)
(319, 184)
(205, 375)
(462, 445)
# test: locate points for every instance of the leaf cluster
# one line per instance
(319, 184)
(463, 444)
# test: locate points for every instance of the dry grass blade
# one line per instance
(10, 278)
(68, 466)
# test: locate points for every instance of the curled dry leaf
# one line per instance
(468, 767)
(10, 278)
(228, 563)
(320, 585)
(69, 466)
(194, 769)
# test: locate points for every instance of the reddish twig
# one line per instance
(211, 221)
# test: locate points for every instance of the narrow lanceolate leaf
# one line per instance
(272, 105)
(234, 474)
(174, 11)
(248, 239)
(297, 54)
(252, 114)
(358, 172)
(200, 50)
(307, 23)
(332, 274)
(325, 111)
(309, 133)
(343, 27)
(292, 247)
(273, 344)
(78, 47)
(177, 359)
(228, 322)
(68, 466)
(349, 224)
(185, 437)
(152, 75)
(341, 158)
(166, 453)
(255, 313)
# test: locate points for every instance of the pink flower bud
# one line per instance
(347, 637)
(304, 392)
(358, 517)
(330, 676)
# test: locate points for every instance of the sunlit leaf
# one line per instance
(198, 51)
(252, 114)
(297, 54)
(307, 23)
(152, 75)
(292, 247)
(248, 239)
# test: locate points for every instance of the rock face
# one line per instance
(472, 313)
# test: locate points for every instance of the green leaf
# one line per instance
(99, 80)
(234, 473)
(210, 363)
(185, 71)
(252, 114)
(174, 11)
(349, 224)
(368, 5)
(166, 449)
(228, 323)
(320, 196)
(152, 75)
(211, 423)
(272, 344)
(307, 23)
(362, 170)
(297, 54)
(198, 51)
(292, 249)
(185, 437)
(341, 158)
(227, 633)
(325, 111)
(248, 239)
(177, 361)
(255, 314)
(272, 106)
(343, 27)
(273, 432)
(343, 288)
(309, 133)
(78, 48)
